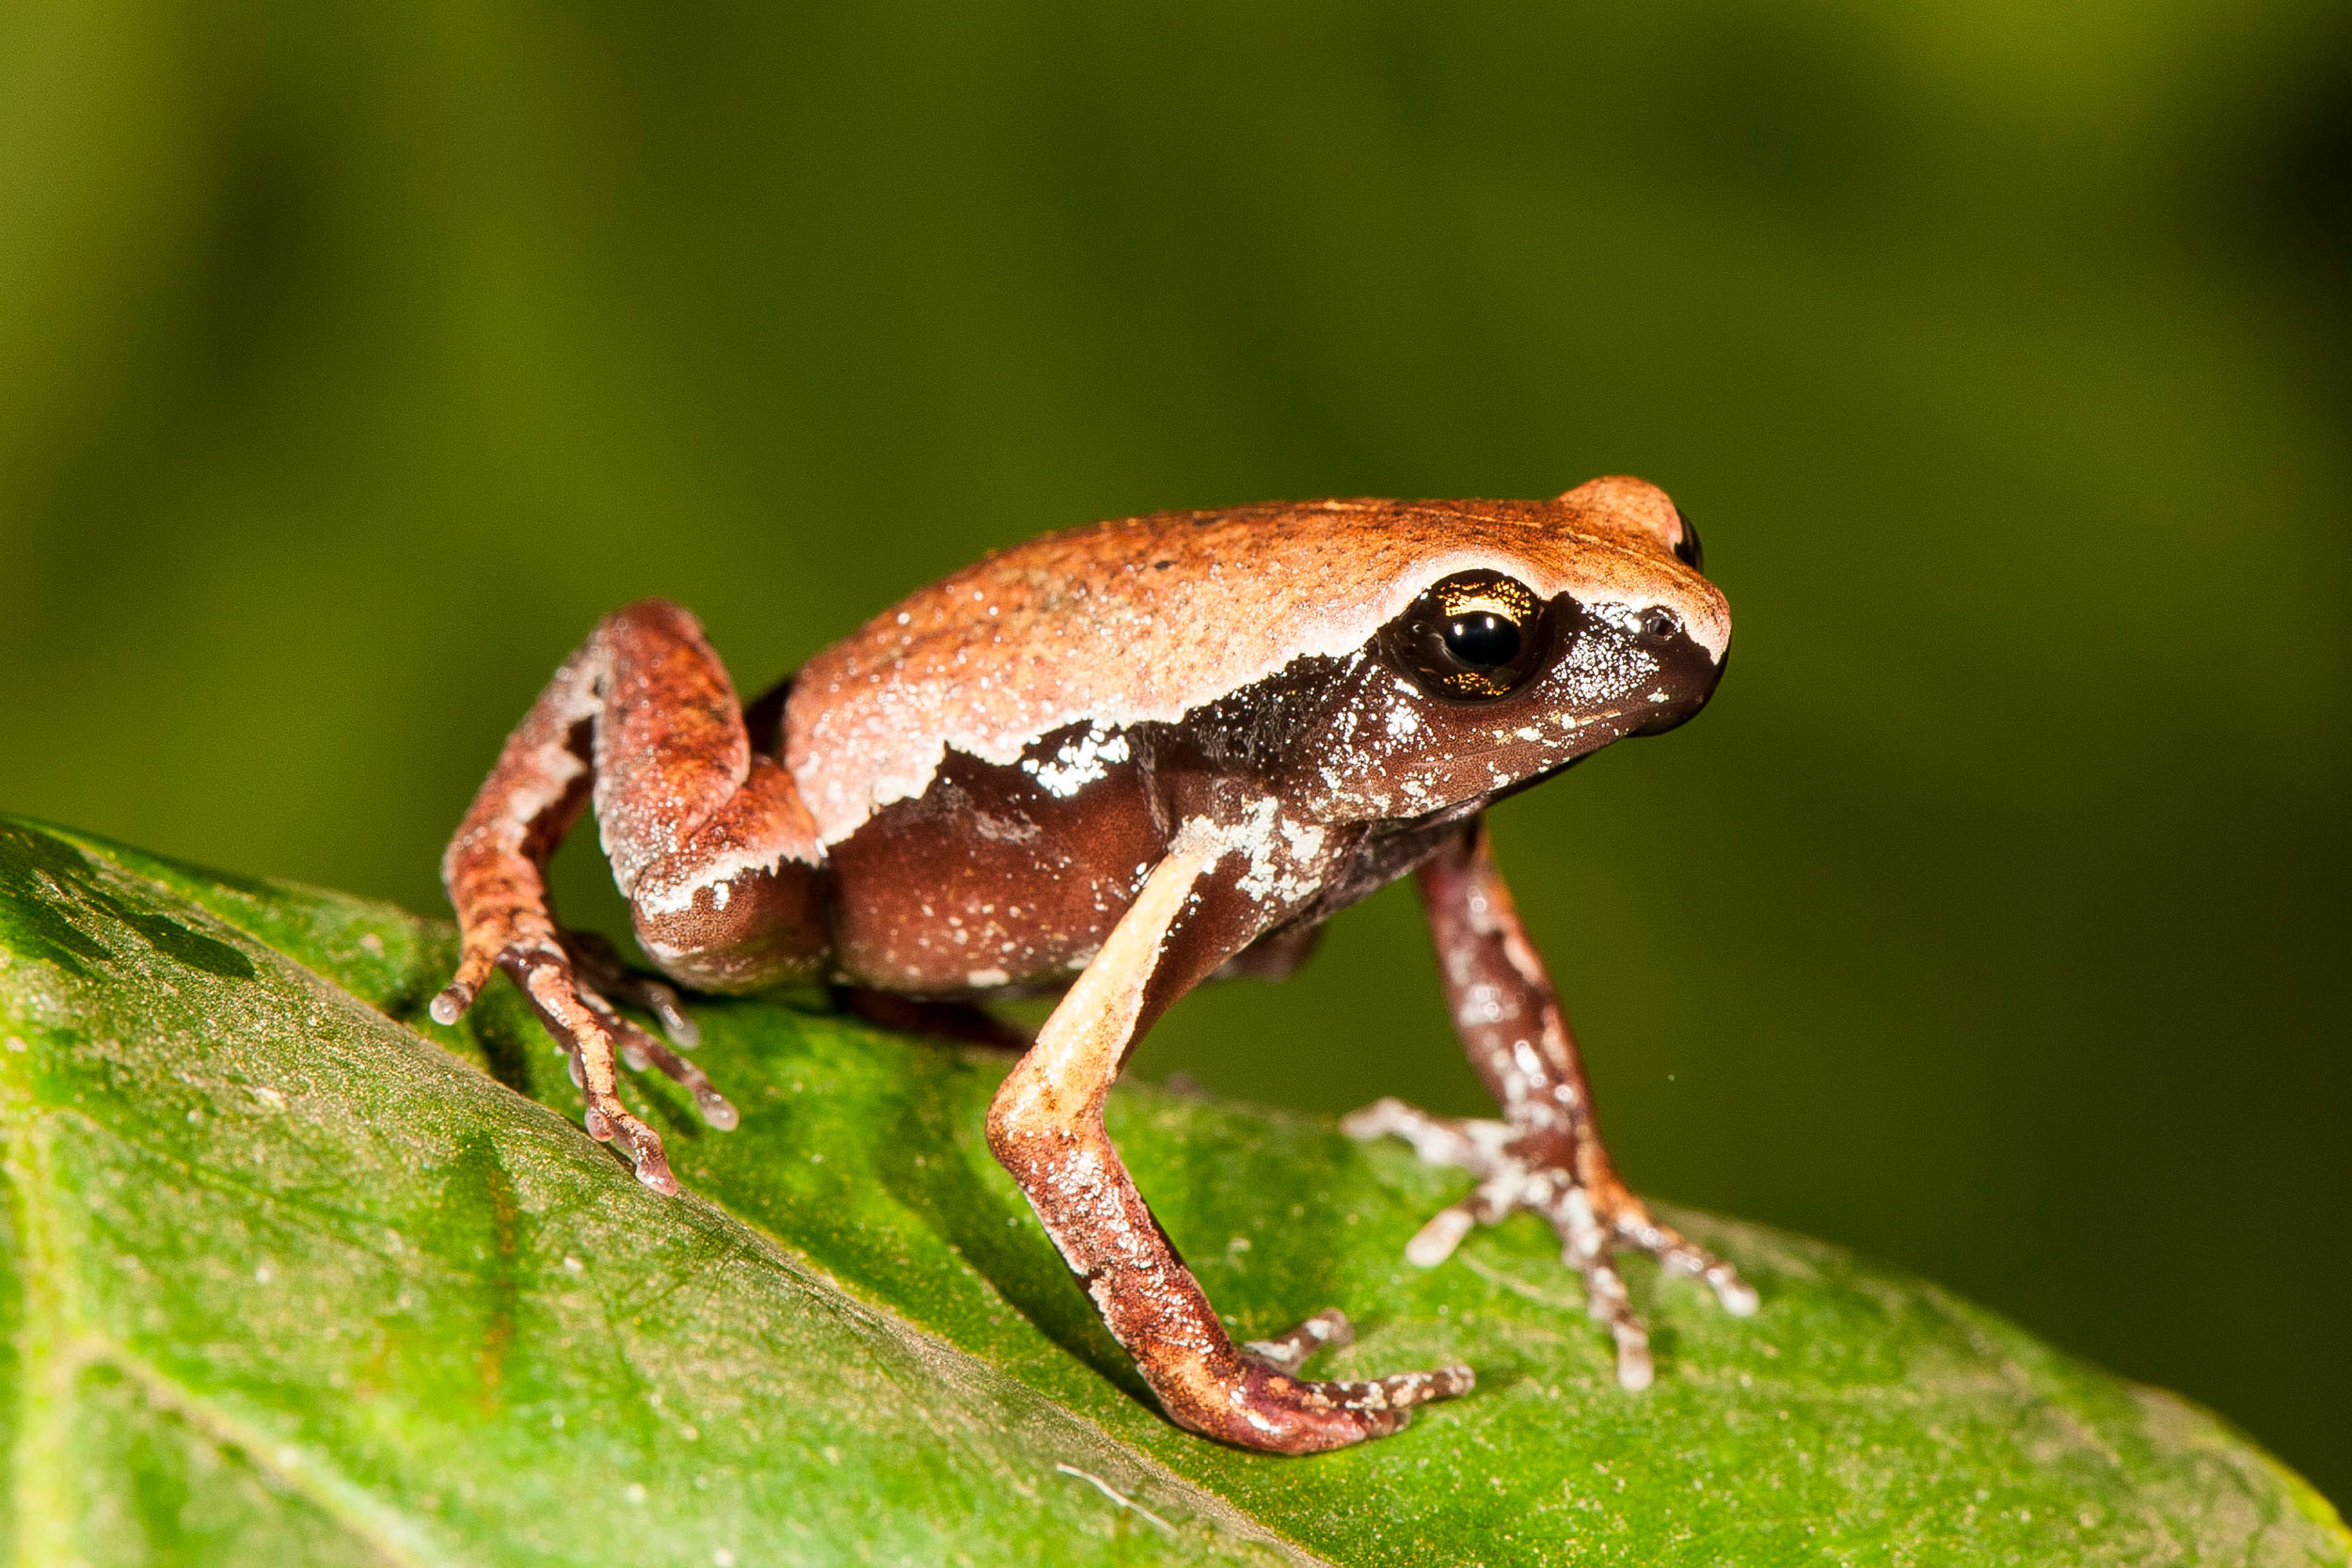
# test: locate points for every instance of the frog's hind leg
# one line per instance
(710, 843)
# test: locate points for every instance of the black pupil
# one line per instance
(1483, 640)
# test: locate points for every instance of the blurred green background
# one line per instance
(354, 358)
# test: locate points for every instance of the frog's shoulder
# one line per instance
(1147, 618)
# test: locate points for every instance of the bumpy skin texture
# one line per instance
(1122, 760)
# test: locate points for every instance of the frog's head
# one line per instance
(1518, 650)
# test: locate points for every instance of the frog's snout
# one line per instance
(1687, 678)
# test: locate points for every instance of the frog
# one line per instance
(1111, 765)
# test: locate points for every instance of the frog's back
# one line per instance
(1144, 619)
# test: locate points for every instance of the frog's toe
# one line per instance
(639, 1051)
(1438, 1140)
(1389, 1400)
(1678, 1254)
(1286, 1353)
(1506, 1182)
(1287, 1413)
(1592, 1223)
(1504, 1192)
(608, 1122)
(599, 965)
(1606, 1302)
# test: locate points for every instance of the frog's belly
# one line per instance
(992, 877)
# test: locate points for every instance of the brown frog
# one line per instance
(1116, 762)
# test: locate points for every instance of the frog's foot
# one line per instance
(593, 1036)
(1591, 1212)
(598, 964)
(639, 1050)
(1294, 1415)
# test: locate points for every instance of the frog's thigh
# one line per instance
(709, 842)
(709, 847)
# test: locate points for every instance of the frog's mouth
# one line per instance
(1689, 679)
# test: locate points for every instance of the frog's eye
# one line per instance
(1474, 637)
(1687, 549)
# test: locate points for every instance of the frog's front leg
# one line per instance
(711, 843)
(1045, 1127)
(1545, 1154)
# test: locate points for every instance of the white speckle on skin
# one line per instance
(1255, 839)
(1305, 839)
(1078, 763)
(1004, 830)
(1284, 865)
(1483, 1004)
(987, 979)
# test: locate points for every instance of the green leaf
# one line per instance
(293, 1275)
